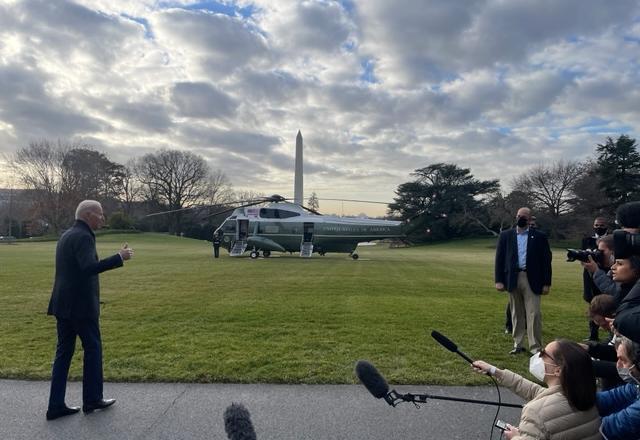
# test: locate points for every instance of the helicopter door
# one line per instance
(306, 247)
(243, 230)
(240, 244)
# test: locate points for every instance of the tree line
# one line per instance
(57, 176)
(447, 201)
(443, 200)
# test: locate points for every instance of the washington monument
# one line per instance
(298, 193)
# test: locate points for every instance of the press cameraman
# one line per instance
(598, 269)
(590, 289)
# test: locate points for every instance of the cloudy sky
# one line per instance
(377, 87)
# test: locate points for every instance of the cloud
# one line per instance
(377, 88)
(208, 43)
(202, 100)
(435, 40)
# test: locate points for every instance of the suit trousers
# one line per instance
(92, 380)
(526, 315)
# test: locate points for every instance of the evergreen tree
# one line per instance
(618, 166)
(447, 199)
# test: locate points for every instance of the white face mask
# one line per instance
(536, 367)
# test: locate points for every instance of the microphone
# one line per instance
(375, 383)
(237, 423)
(449, 345)
(372, 379)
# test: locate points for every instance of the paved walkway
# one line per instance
(195, 411)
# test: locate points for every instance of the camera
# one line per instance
(625, 244)
(583, 255)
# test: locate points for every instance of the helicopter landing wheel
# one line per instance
(354, 256)
(254, 255)
(266, 254)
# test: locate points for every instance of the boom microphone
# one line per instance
(449, 345)
(237, 423)
(372, 379)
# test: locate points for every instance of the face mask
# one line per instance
(536, 367)
(600, 231)
(625, 374)
(523, 222)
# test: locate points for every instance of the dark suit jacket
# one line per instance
(76, 289)
(589, 288)
(538, 260)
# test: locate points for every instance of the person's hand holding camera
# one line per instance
(591, 266)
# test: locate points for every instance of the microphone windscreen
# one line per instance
(372, 379)
(237, 423)
(444, 341)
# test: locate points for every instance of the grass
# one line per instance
(174, 313)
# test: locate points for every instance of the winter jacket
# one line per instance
(620, 411)
(548, 414)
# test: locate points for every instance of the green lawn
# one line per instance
(174, 313)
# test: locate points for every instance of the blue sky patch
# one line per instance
(143, 21)
(229, 9)
(368, 74)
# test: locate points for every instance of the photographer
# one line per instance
(590, 289)
(599, 271)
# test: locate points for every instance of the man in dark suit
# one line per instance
(523, 268)
(75, 302)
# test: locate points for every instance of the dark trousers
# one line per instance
(89, 332)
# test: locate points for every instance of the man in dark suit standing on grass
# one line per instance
(523, 268)
(75, 302)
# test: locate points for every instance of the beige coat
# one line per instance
(548, 415)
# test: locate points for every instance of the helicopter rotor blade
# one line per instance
(177, 210)
(234, 208)
(313, 211)
(352, 200)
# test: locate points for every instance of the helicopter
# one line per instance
(283, 226)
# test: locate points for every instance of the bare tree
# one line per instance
(550, 187)
(174, 179)
(131, 189)
(39, 168)
(313, 201)
(219, 190)
(246, 195)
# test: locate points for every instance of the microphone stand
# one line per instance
(393, 398)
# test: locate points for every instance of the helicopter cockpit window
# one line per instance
(229, 226)
(277, 213)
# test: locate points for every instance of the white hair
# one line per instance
(85, 207)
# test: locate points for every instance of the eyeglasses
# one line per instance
(544, 353)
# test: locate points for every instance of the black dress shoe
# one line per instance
(517, 350)
(56, 413)
(100, 404)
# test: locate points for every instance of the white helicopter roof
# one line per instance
(297, 212)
